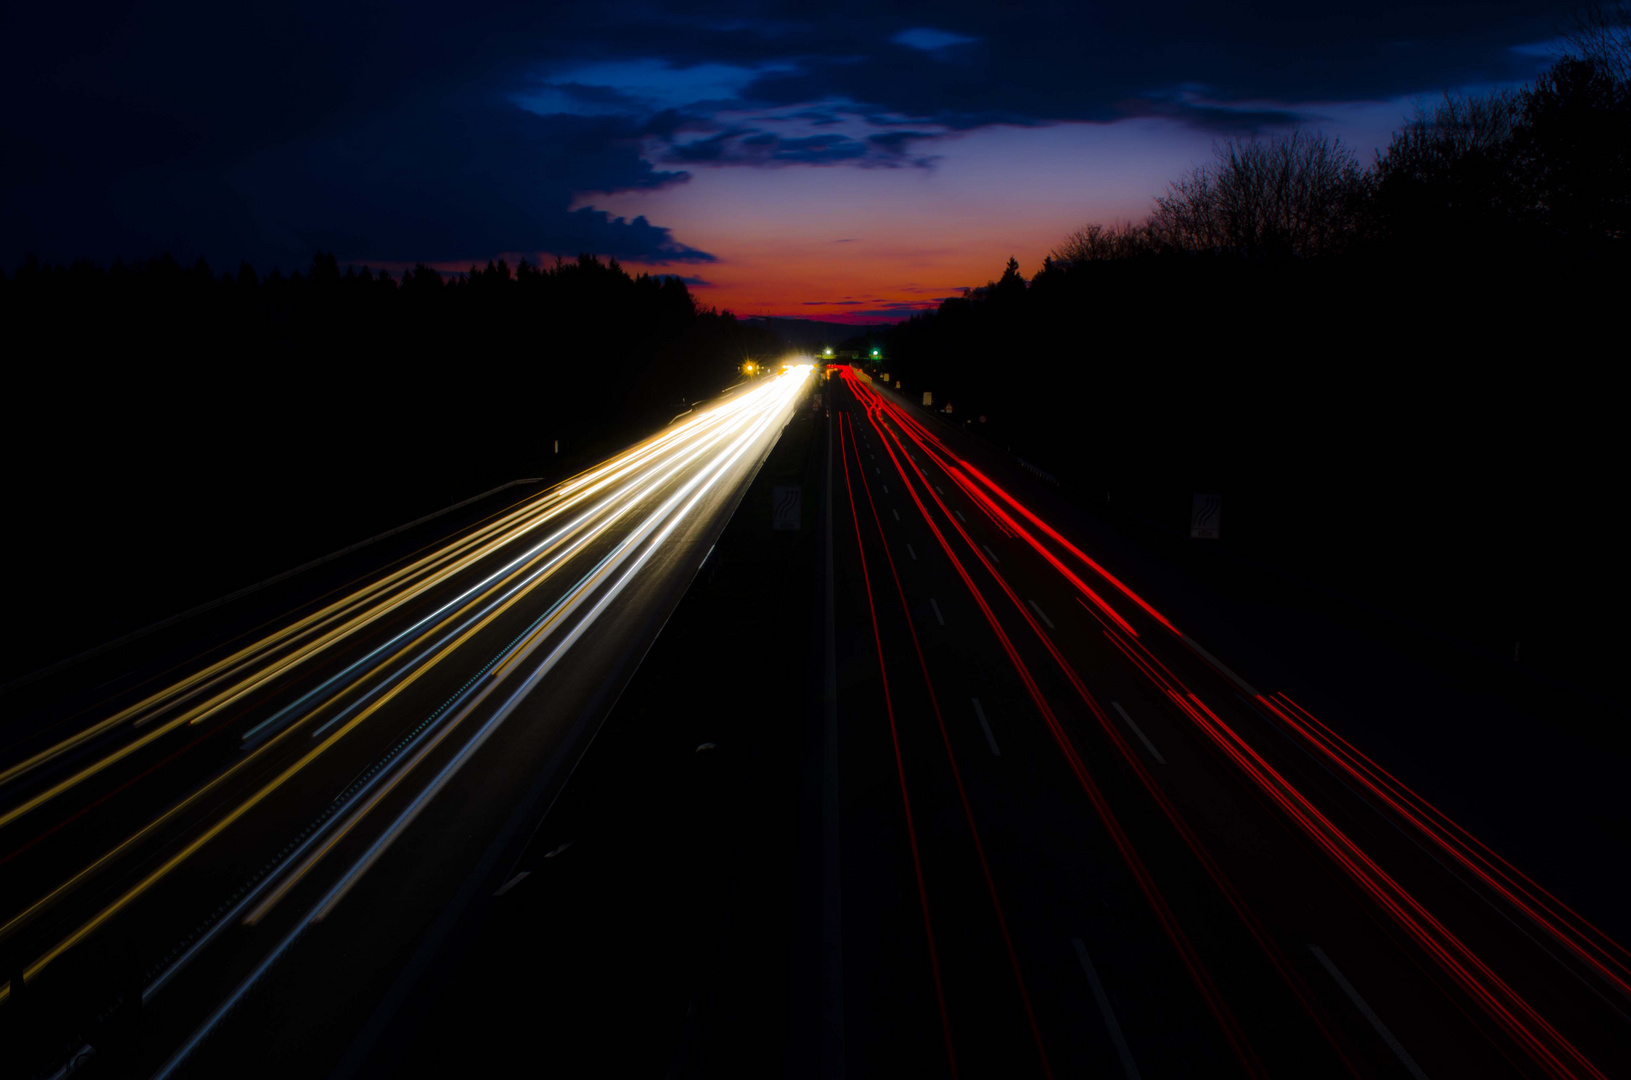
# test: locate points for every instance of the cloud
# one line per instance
(1060, 62)
(927, 40)
(893, 311)
(239, 133)
(455, 180)
(422, 130)
(759, 146)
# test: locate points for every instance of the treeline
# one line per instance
(576, 325)
(1398, 374)
(174, 432)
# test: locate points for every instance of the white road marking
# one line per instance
(991, 553)
(1156, 754)
(1127, 1067)
(892, 510)
(910, 552)
(1039, 613)
(512, 883)
(985, 727)
(886, 489)
(960, 516)
(1215, 662)
(877, 470)
(941, 619)
(938, 488)
(1365, 1010)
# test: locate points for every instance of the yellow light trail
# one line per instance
(646, 466)
(549, 506)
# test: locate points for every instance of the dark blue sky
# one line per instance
(447, 132)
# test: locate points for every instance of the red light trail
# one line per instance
(1537, 1036)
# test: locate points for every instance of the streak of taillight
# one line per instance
(1457, 959)
(1007, 524)
(900, 771)
(1186, 951)
(1482, 983)
(1548, 912)
(910, 422)
(1275, 956)
(957, 777)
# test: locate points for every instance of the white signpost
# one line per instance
(1204, 517)
(786, 504)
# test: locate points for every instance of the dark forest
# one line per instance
(1398, 376)
(265, 419)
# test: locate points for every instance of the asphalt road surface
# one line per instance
(1043, 831)
(1074, 843)
(264, 847)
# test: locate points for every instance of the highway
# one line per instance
(263, 847)
(1044, 832)
(1075, 843)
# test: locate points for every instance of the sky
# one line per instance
(851, 161)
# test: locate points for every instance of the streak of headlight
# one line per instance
(39, 905)
(585, 487)
(179, 691)
(546, 624)
(703, 482)
(56, 893)
(767, 400)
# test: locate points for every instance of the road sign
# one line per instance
(786, 503)
(1204, 517)
(928, 398)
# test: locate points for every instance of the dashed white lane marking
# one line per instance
(892, 510)
(886, 489)
(985, 727)
(1145, 739)
(1215, 662)
(1039, 613)
(991, 553)
(877, 470)
(1127, 1067)
(910, 552)
(960, 516)
(938, 488)
(939, 618)
(1369, 1014)
(512, 883)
